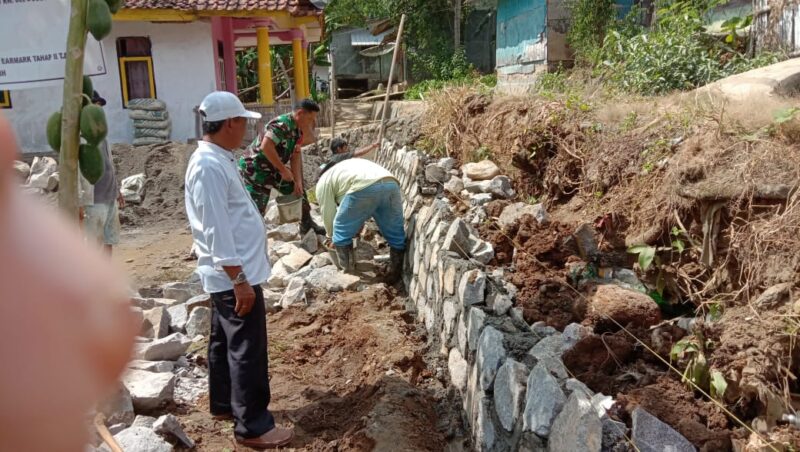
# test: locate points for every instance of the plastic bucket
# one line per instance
(290, 208)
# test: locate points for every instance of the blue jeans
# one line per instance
(382, 201)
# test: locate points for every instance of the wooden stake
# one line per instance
(391, 76)
(73, 100)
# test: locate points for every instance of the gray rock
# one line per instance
(472, 289)
(509, 392)
(584, 238)
(544, 401)
(155, 324)
(144, 421)
(199, 322)
(513, 212)
(500, 187)
(573, 385)
(296, 260)
(272, 216)
(775, 295)
(542, 330)
(436, 174)
(279, 276)
(116, 428)
(457, 238)
(517, 314)
(475, 324)
(149, 390)
(552, 346)
(602, 403)
(573, 333)
(331, 279)
(142, 303)
(482, 252)
(652, 435)
(181, 291)
(272, 299)
(457, 366)
(320, 260)
(286, 232)
(138, 316)
(22, 170)
(500, 304)
(454, 185)
(529, 442)
(40, 171)
(483, 170)
(52, 182)
(447, 163)
(169, 425)
(613, 433)
(203, 300)
(152, 366)
(295, 293)
(310, 242)
(477, 187)
(166, 349)
(485, 435)
(555, 366)
(491, 355)
(118, 409)
(178, 316)
(480, 199)
(577, 427)
(140, 439)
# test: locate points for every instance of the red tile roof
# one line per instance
(294, 7)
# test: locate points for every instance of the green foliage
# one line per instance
(646, 255)
(590, 21)
(676, 54)
(420, 90)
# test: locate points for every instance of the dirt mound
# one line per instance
(349, 373)
(164, 167)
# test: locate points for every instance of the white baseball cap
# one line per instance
(222, 105)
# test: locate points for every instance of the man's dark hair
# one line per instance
(212, 127)
(337, 143)
(309, 105)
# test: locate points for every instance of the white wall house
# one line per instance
(183, 62)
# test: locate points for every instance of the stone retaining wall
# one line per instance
(516, 392)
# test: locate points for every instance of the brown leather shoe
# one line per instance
(277, 437)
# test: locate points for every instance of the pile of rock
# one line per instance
(151, 123)
(39, 178)
(161, 373)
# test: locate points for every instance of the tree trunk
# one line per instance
(457, 26)
(73, 90)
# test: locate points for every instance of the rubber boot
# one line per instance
(395, 266)
(307, 223)
(346, 258)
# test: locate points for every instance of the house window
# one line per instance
(221, 64)
(135, 69)
(5, 99)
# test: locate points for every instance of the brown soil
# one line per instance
(164, 167)
(156, 255)
(349, 375)
(701, 422)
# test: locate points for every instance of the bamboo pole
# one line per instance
(391, 77)
(73, 100)
(332, 88)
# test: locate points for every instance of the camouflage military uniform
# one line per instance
(258, 173)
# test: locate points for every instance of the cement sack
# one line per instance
(145, 124)
(155, 133)
(148, 115)
(147, 104)
(144, 141)
(132, 188)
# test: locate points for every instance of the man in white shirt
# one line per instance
(230, 241)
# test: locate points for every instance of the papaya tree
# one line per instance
(78, 117)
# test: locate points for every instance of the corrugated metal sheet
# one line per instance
(777, 25)
(363, 38)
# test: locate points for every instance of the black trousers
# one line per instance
(238, 364)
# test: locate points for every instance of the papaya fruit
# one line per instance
(114, 5)
(98, 19)
(54, 131)
(88, 89)
(93, 124)
(90, 161)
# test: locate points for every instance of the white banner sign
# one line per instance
(33, 42)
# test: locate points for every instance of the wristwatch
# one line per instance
(240, 279)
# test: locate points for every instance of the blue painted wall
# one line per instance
(520, 24)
